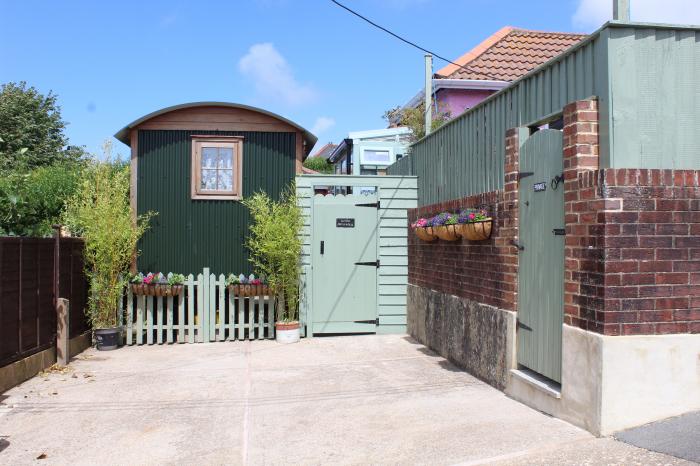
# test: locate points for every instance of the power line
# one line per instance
(413, 44)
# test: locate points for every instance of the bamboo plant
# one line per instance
(275, 247)
(100, 212)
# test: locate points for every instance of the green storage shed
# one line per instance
(192, 164)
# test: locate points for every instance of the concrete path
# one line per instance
(343, 400)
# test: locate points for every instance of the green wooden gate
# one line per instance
(382, 299)
(345, 264)
(541, 244)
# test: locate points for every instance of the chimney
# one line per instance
(621, 10)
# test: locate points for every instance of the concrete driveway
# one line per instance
(349, 400)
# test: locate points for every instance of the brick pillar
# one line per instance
(508, 220)
(584, 261)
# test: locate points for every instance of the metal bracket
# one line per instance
(556, 180)
(514, 243)
(374, 263)
(523, 326)
(369, 204)
(372, 321)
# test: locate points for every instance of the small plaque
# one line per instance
(345, 223)
(539, 187)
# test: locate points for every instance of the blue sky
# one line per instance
(111, 62)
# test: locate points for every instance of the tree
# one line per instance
(414, 118)
(318, 164)
(31, 129)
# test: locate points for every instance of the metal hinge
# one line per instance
(523, 326)
(374, 263)
(370, 204)
(522, 175)
(371, 321)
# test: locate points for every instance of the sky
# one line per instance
(111, 62)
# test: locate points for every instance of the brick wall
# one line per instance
(483, 271)
(633, 252)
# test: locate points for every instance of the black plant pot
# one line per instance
(108, 338)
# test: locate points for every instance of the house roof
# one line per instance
(123, 134)
(325, 151)
(509, 54)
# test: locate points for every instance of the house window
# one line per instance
(376, 156)
(216, 167)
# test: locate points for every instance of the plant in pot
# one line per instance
(100, 212)
(444, 226)
(275, 252)
(240, 285)
(420, 226)
(474, 225)
(157, 284)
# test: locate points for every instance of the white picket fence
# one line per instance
(204, 311)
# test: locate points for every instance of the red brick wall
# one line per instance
(633, 249)
(483, 271)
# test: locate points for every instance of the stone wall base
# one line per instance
(610, 383)
(24, 369)
(471, 335)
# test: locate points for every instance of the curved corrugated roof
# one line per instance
(123, 134)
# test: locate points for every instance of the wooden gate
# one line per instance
(205, 311)
(541, 244)
(345, 263)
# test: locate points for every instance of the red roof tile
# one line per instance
(509, 54)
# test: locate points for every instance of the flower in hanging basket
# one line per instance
(474, 225)
(420, 223)
(444, 226)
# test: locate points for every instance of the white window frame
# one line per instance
(377, 149)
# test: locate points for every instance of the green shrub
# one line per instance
(275, 247)
(100, 212)
(31, 201)
(318, 164)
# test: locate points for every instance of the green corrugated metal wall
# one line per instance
(188, 235)
(466, 155)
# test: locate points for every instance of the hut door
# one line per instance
(345, 264)
(541, 244)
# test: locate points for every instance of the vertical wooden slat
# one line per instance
(261, 319)
(169, 329)
(241, 319)
(221, 284)
(191, 290)
(159, 336)
(251, 318)
(181, 316)
(271, 317)
(129, 317)
(201, 312)
(231, 316)
(211, 287)
(140, 306)
(149, 320)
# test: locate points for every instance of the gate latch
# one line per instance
(522, 175)
(374, 263)
(372, 321)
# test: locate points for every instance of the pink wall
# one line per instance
(456, 101)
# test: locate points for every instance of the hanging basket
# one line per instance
(423, 235)
(476, 231)
(446, 232)
(249, 290)
(156, 289)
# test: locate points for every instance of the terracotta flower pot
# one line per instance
(476, 231)
(446, 232)
(423, 235)
(287, 332)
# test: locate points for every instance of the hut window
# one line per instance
(216, 167)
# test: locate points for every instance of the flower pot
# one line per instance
(287, 332)
(423, 235)
(156, 289)
(446, 232)
(108, 338)
(476, 231)
(249, 290)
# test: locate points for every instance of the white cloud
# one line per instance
(593, 13)
(272, 75)
(322, 124)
